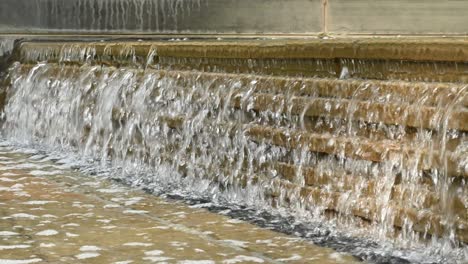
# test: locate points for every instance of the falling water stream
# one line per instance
(240, 144)
(6, 46)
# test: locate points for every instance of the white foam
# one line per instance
(114, 190)
(45, 173)
(196, 262)
(23, 166)
(236, 243)
(8, 233)
(109, 227)
(14, 247)
(138, 244)
(154, 253)
(93, 184)
(234, 221)
(22, 194)
(39, 202)
(264, 241)
(336, 256)
(49, 216)
(133, 200)
(135, 212)
(87, 255)
(243, 259)
(10, 174)
(202, 205)
(5, 179)
(105, 221)
(111, 206)
(22, 215)
(293, 257)
(71, 235)
(48, 232)
(178, 244)
(157, 259)
(70, 224)
(47, 245)
(20, 261)
(90, 248)
(14, 188)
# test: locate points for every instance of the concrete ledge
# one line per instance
(418, 49)
(421, 59)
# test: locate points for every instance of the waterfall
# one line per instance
(320, 149)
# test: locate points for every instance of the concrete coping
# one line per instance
(411, 49)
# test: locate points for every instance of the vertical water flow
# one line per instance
(120, 15)
(390, 152)
(6, 46)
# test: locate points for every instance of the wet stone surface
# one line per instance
(51, 214)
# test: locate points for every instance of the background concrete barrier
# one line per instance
(234, 16)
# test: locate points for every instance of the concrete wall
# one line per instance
(161, 16)
(235, 16)
(398, 16)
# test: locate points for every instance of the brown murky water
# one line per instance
(51, 214)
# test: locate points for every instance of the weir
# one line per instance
(369, 135)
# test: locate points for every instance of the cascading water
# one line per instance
(320, 150)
